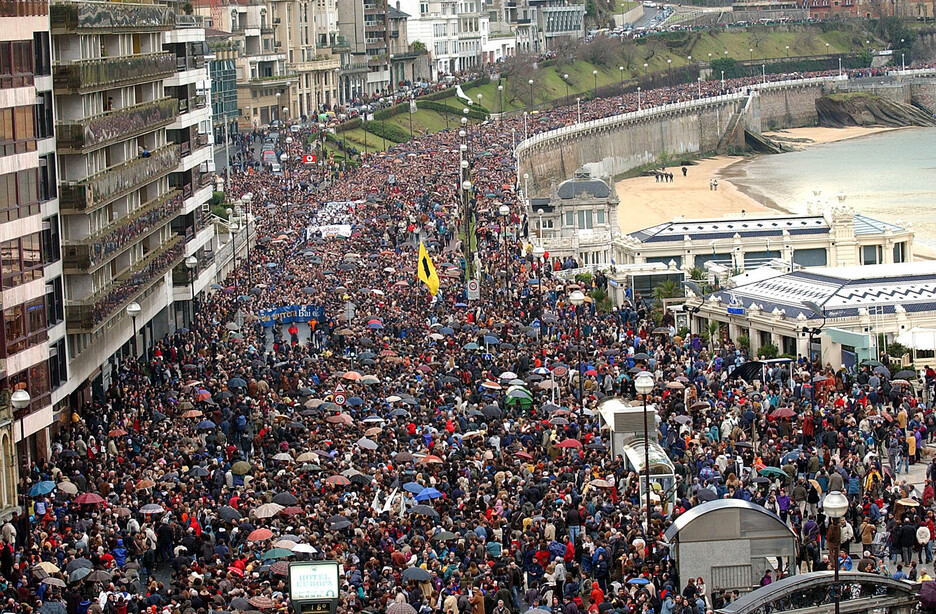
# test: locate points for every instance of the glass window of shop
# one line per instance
(35, 380)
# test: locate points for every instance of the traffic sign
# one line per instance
(473, 289)
(308, 159)
(339, 399)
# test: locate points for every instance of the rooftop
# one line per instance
(572, 188)
(842, 291)
(754, 226)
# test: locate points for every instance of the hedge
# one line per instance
(389, 112)
(474, 111)
(388, 131)
(350, 124)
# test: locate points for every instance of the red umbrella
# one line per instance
(338, 480)
(523, 455)
(89, 498)
(237, 571)
(591, 373)
(117, 433)
(204, 396)
(430, 458)
(258, 535)
(291, 510)
(783, 412)
(340, 419)
(570, 443)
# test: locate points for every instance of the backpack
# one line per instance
(241, 423)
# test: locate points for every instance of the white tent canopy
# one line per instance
(918, 338)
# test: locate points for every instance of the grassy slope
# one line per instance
(549, 85)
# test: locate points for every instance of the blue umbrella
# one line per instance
(470, 346)
(638, 581)
(413, 487)
(236, 382)
(461, 304)
(355, 401)
(428, 493)
(206, 424)
(216, 287)
(375, 326)
(491, 340)
(446, 330)
(271, 265)
(41, 488)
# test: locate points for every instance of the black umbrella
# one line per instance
(905, 374)
(417, 574)
(52, 607)
(423, 510)
(341, 524)
(285, 499)
(82, 562)
(199, 472)
(492, 411)
(705, 494)
(228, 513)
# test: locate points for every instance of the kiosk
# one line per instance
(313, 587)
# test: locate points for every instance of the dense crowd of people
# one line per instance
(464, 472)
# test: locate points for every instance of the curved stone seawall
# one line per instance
(614, 145)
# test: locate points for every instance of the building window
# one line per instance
(16, 64)
(50, 240)
(585, 220)
(43, 53)
(25, 325)
(870, 254)
(19, 195)
(17, 130)
(900, 252)
(600, 217)
(570, 218)
(58, 365)
(21, 260)
(55, 301)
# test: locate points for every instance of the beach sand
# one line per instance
(647, 202)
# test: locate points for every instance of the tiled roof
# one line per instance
(842, 292)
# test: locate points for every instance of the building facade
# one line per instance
(577, 219)
(835, 236)
(134, 142)
(28, 237)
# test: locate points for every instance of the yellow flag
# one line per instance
(426, 271)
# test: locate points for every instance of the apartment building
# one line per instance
(28, 236)
(133, 134)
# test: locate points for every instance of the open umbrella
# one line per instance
(285, 499)
(427, 494)
(258, 535)
(52, 581)
(240, 468)
(367, 444)
(337, 480)
(423, 510)
(276, 553)
(400, 608)
(267, 510)
(89, 498)
(41, 488)
(69, 488)
(79, 574)
(152, 508)
(416, 574)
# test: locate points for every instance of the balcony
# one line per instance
(188, 21)
(96, 191)
(117, 125)
(89, 314)
(95, 250)
(87, 17)
(316, 65)
(90, 75)
(192, 62)
(23, 8)
(273, 79)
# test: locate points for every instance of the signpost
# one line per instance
(308, 159)
(313, 587)
(473, 289)
(340, 398)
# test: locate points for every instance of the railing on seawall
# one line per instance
(651, 112)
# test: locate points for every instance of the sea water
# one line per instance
(889, 176)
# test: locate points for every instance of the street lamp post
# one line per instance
(751, 51)
(644, 386)
(700, 87)
(500, 98)
(577, 298)
(530, 82)
(595, 75)
(693, 287)
(133, 310)
(621, 70)
(578, 106)
(191, 263)
(834, 506)
(812, 332)
(565, 79)
(248, 199)
(504, 211)
(538, 253)
(20, 400)
(638, 97)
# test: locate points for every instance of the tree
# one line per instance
(768, 351)
(419, 46)
(666, 289)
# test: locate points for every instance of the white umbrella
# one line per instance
(304, 549)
